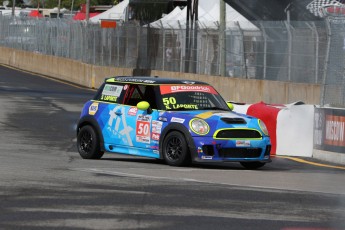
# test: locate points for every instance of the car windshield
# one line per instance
(191, 97)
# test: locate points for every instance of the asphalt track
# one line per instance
(46, 185)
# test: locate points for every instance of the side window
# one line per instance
(138, 93)
(109, 93)
(133, 95)
(150, 96)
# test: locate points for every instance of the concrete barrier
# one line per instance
(303, 130)
(295, 130)
(235, 89)
(290, 126)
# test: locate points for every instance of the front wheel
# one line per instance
(175, 149)
(252, 165)
(88, 143)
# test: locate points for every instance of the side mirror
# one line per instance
(144, 105)
(230, 105)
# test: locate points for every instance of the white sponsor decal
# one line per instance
(112, 90)
(142, 117)
(157, 126)
(178, 120)
(242, 143)
(143, 133)
(133, 111)
(206, 157)
(155, 136)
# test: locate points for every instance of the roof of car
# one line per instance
(152, 80)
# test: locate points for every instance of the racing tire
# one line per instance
(175, 149)
(88, 143)
(252, 165)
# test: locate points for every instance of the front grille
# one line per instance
(234, 120)
(238, 133)
(240, 152)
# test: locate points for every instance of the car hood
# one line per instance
(216, 118)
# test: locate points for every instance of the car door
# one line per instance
(141, 121)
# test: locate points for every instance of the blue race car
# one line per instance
(180, 121)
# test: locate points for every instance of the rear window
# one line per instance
(109, 93)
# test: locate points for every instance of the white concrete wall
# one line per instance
(295, 125)
(294, 129)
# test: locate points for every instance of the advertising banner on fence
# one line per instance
(329, 129)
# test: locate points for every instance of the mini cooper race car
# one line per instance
(180, 121)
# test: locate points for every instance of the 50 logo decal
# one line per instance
(169, 101)
(143, 129)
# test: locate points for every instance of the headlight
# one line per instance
(263, 127)
(199, 126)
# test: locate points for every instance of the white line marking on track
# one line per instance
(116, 173)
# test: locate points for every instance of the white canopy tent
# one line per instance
(117, 12)
(163, 22)
(208, 17)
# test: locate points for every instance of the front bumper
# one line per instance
(208, 149)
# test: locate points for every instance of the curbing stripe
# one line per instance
(311, 163)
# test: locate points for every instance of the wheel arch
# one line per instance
(90, 120)
(180, 128)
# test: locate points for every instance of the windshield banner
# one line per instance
(167, 89)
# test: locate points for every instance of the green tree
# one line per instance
(148, 11)
(19, 3)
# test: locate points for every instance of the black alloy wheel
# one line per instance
(88, 143)
(175, 149)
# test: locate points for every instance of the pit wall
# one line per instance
(235, 89)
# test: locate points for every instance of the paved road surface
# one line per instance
(46, 185)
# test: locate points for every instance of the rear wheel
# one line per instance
(175, 149)
(252, 165)
(88, 143)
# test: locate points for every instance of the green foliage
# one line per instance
(149, 10)
(19, 3)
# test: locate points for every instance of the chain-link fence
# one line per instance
(334, 78)
(303, 52)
